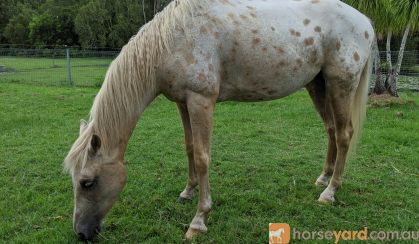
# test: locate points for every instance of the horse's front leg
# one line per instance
(187, 193)
(200, 110)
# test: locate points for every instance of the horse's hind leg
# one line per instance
(317, 91)
(187, 193)
(340, 93)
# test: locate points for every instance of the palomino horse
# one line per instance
(199, 52)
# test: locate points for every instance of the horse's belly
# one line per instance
(263, 88)
(269, 71)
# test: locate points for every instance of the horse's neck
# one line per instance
(119, 105)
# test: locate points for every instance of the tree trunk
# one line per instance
(393, 84)
(379, 87)
(144, 14)
(155, 7)
(389, 77)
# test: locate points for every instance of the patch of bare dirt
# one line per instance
(385, 100)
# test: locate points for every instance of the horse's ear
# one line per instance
(83, 125)
(95, 144)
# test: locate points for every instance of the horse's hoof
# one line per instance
(183, 200)
(191, 233)
(321, 183)
(327, 199)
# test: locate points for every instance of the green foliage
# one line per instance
(127, 21)
(407, 11)
(91, 23)
(106, 23)
(389, 15)
(54, 24)
(17, 30)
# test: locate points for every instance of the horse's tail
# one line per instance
(360, 102)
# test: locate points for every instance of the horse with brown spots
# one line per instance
(198, 53)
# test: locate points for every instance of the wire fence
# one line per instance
(87, 68)
(52, 67)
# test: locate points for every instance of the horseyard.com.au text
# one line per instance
(282, 233)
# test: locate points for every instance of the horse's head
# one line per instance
(97, 183)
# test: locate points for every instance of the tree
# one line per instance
(391, 17)
(93, 23)
(406, 15)
(127, 20)
(109, 23)
(5, 14)
(17, 29)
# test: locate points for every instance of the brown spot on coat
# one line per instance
(279, 49)
(299, 61)
(292, 31)
(306, 21)
(190, 59)
(210, 67)
(264, 49)
(254, 31)
(203, 30)
(202, 77)
(298, 33)
(317, 29)
(338, 45)
(253, 15)
(272, 28)
(256, 41)
(217, 35)
(309, 41)
(313, 57)
(367, 35)
(356, 56)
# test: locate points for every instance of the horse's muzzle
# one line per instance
(86, 230)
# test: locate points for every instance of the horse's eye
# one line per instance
(87, 184)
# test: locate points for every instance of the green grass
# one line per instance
(266, 157)
(53, 72)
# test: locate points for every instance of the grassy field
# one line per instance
(266, 157)
(53, 72)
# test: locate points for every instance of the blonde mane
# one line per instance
(129, 79)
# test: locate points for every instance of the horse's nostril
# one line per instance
(81, 237)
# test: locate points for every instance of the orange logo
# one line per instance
(279, 233)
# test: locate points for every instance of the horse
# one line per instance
(200, 52)
(277, 234)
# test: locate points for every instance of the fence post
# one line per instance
(68, 66)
